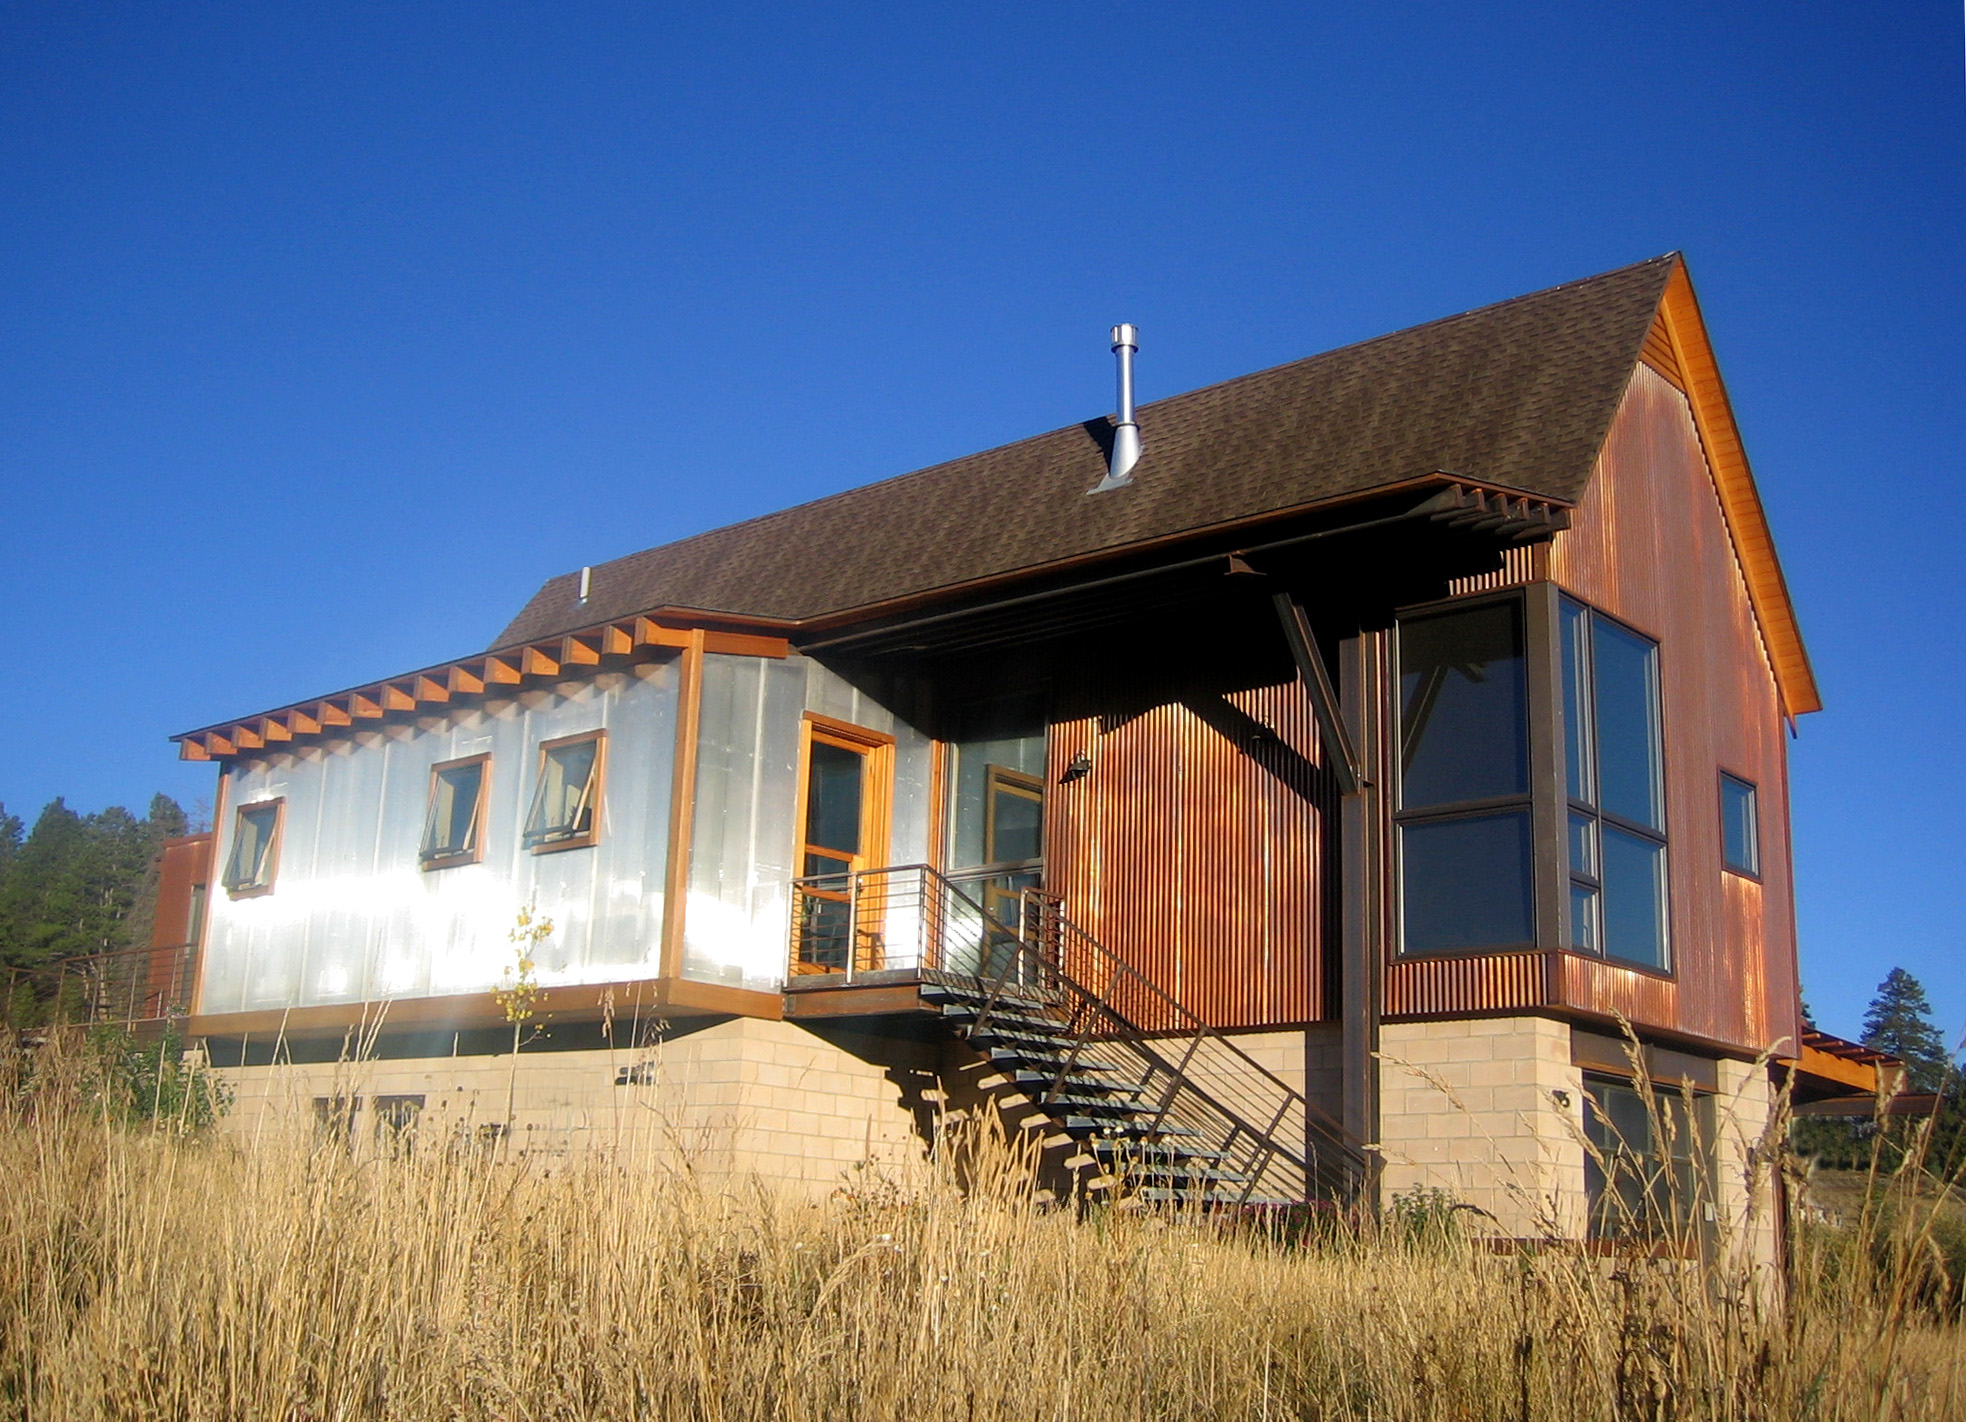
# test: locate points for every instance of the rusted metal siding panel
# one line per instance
(1192, 848)
(1433, 987)
(1607, 990)
(1527, 564)
(1649, 545)
(186, 866)
(187, 862)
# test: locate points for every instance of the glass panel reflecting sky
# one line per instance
(1626, 681)
(1466, 884)
(1634, 899)
(1464, 731)
(1739, 831)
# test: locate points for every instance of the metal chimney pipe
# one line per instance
(1126, 438)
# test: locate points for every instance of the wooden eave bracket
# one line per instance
(553, 659)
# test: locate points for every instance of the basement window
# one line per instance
(1647, 1163)
(1466, 863)
(566, 802)
(453, 823)
(255, 853)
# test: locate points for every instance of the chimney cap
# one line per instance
(1126, 334)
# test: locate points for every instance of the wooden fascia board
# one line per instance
(1740, 501)
(582, 1003)
(1859, 1076)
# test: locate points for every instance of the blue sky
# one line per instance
(326, 334)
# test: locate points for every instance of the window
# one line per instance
(566, 803)
(844, 798)
(255, 849)
(1614, 770)
(453, 823)
(334, 1119)
(1644, 1167)
(395, 1120)
(1740, 826)
(1466, 863)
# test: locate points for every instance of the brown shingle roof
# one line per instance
(1518, 394)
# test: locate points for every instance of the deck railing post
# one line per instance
(852, 922)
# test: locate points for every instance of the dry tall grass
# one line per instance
(147, 1274)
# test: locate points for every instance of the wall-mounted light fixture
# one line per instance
(1080, 767)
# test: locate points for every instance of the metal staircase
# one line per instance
(1161, 1107)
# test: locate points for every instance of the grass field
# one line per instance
(151, 1274)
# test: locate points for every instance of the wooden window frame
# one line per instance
(597, 788)
(876, 813)
(476, 854)
(1021, 782)
(275, 845)
(878, 747)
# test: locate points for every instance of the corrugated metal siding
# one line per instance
(1607, 990)
(1648, 544)
(1192, 848)
(1428, 987)
(1527, 564)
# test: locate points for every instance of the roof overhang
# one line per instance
(1740, 500)
(1079, 592)
(1829, 1067)
(436, 689)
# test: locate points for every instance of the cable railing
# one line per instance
(905, 918)
(1014, 948)
(131, 988)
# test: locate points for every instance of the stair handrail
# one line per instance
(1192, 1022)
(1024, 954)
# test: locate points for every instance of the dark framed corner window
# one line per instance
(566, 801)
(1740, 826)
(1466, 862)
(255, 856)
(1614, 772)
(454, 821)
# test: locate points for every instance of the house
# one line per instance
(1287, 789)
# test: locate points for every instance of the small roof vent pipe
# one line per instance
(1126, 438)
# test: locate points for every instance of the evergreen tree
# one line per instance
(1899, 1021)
(80, 884)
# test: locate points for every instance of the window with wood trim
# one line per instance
(566, 798)
(845, 801)
(1466, 856)
(454, 820)
(1614, 770)
(255, 856)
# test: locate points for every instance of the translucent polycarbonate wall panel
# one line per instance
(744, 840)
(353, 916)
(741, 843)
(829, 694)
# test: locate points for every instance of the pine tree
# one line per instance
(80, 884)
(1899, 1021)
